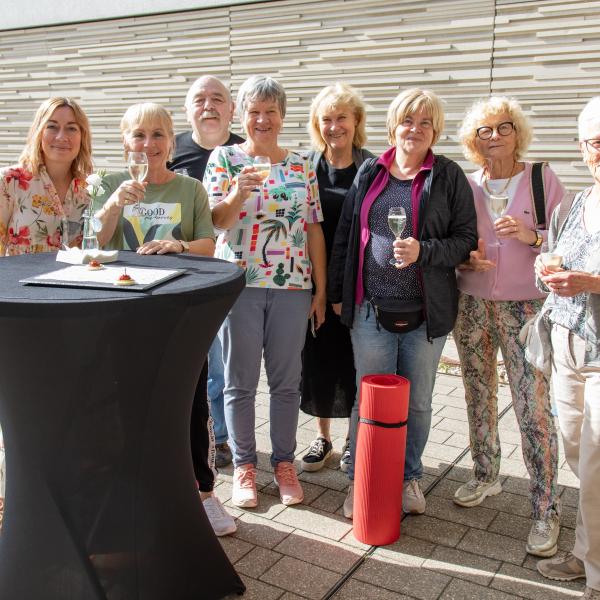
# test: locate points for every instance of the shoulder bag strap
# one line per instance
(539, 194)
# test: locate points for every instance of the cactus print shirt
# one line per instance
(32, 216)
(270, 238)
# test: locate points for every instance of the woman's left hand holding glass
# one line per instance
(160, 247)
(406, 252)
(571, 283)
(508, 227)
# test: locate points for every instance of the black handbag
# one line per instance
(396, 315)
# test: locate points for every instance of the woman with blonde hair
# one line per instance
(42, 198)
(167, 212)
(497, 296)
(337, 130)
(370, 269)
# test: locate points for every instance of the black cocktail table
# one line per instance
(96, 389)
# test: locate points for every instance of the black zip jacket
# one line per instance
(447, 233)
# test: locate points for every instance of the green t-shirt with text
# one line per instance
(174, 210)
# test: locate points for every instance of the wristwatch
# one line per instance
(538, 239)
(186, 245)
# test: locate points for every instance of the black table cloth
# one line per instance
(96, 388)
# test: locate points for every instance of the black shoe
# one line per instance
(318, 452)
(222, 455)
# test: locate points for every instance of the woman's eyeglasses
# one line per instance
(485, 132)
(593, 146)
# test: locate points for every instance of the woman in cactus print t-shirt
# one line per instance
(269, 239)
(272, 230)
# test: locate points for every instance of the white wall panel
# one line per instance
(546, 53)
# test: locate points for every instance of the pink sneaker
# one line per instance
(286, 480)
(244, 487)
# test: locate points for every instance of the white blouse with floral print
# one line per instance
(32, 216)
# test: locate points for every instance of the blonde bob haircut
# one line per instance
(476, 117)
(336, 97)
(409, 102)
(32, 157)
(147, 114)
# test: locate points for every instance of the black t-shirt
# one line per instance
(333, 185)
(193, 158)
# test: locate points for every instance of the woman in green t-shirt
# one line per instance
(166, 212)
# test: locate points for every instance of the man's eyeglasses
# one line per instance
(593, 145)
(485, 132)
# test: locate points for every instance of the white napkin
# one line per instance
(75, 256)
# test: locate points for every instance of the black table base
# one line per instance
(95, 398)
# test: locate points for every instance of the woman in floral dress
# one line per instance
(272, 230)
(42, 198)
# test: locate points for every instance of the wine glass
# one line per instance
(262, 164)
(397, 223)
(498, 204)
(550, 260)
(137, 162)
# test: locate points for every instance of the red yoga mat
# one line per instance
(379, 463)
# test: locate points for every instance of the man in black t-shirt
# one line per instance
(209, 109)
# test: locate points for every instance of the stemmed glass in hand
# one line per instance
(397, 223)
(498, 204)
(262, 164)
(137, 163)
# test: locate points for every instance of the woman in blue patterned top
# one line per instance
(573, 312)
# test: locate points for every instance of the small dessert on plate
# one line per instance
(94, 265)
(125, 279)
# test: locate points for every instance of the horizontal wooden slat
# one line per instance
(546, 53)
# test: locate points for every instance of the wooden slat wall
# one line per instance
(546, 53)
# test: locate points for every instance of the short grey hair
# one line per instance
(260, 88)
(590, 115)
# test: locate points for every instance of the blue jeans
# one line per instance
(276, 321)
(216, 383)
(410, 355)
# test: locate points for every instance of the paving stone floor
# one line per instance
(449, 553)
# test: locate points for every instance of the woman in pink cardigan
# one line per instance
(497, 296)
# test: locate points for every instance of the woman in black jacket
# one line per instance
(440, 231)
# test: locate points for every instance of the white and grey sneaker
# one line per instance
(318, 452)
(543, 537)
(474, 492)
(348, 507)
(222, 522)
(413, 501)
(345, 458)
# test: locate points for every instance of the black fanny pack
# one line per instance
(397, 316)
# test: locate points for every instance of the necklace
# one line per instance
(499, 192)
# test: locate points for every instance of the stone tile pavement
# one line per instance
(449, 553)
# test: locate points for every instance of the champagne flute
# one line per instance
(397, 223)
(498, 204)
(137, 163)
(262, 164)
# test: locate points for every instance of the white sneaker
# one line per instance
(413, 501)
(543, 537)
(348, 507)
(222, 522)
(474, 492)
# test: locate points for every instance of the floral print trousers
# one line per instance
(481, 328)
